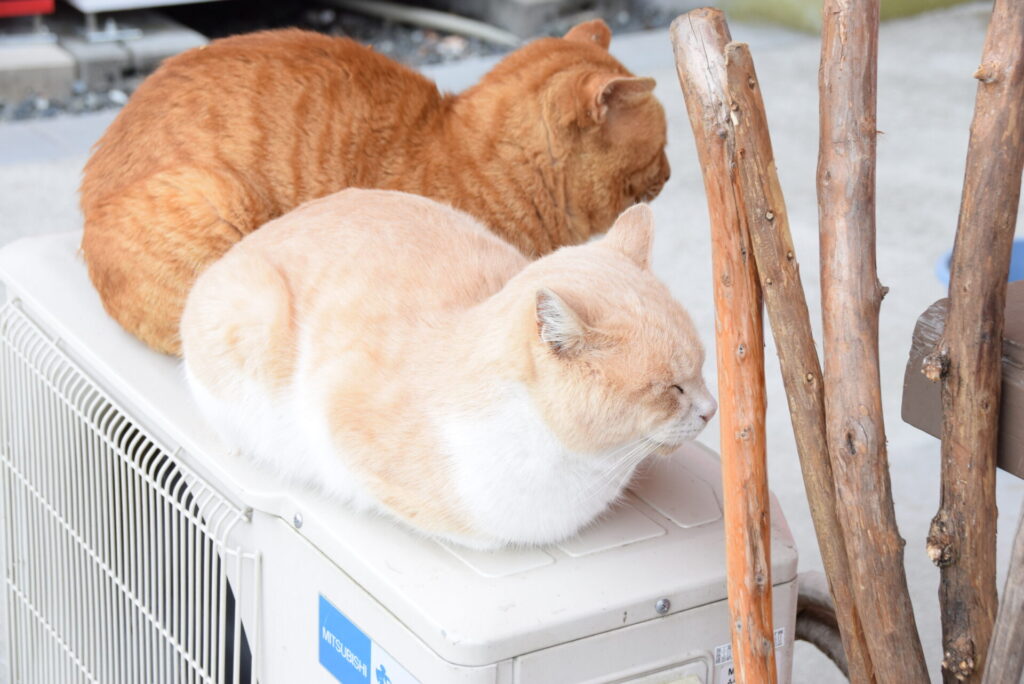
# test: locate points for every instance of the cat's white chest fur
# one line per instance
(516, 479)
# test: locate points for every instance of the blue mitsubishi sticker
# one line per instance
(351, 656)
(344, 650)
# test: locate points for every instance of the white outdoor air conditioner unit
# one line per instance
(137, 549)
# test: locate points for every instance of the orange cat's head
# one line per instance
(616, 360)
(596, 130)
(619, 156)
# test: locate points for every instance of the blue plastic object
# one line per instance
(1016, 264)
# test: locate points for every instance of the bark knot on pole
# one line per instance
(935, 365)
(940, 542)
(958, 658)
(987, 73)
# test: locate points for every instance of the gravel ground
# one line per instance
(406, 43)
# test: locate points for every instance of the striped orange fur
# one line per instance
(546, 150)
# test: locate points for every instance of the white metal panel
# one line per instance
(664, 644)
(295, 574)
(661, 650)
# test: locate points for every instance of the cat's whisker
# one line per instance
(620, 457)
(608, 475)
(626, 449)
(636, 452)
(630, 452)
(626, 466)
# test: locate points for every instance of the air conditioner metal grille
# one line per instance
(117, 560)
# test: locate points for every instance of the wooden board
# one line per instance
(922, 401)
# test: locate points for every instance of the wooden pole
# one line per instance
(779, 275)
(962, 539)
(851, 296)
(699, 39)
(1005, 661)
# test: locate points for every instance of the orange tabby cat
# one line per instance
(546, 150)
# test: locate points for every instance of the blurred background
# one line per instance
(76, 56)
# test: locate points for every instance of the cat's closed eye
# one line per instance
(681, 390)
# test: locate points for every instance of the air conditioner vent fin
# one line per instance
(118, 564)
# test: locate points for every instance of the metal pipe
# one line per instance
(433, 19)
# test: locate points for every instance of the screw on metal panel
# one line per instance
(662, 606)
(297, 520)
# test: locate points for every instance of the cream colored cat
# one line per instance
(391, 352)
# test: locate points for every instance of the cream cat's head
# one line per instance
(616, 360)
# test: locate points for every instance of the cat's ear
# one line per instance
(558, 325)
(605, 91)
(593, 31)
(633, 234)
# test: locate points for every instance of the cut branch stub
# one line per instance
(940, 544)
(958, 658)
(935, 365)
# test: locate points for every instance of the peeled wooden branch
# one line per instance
(779, 274)
(1005, 656)
(851, 296)
(963, 534)
(699, 39)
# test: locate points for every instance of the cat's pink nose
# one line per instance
(709, 413)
